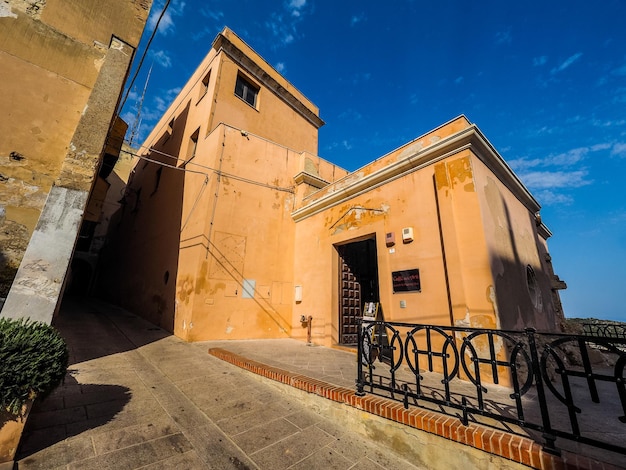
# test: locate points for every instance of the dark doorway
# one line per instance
(358, 283)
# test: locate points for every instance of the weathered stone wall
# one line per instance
(51, 55)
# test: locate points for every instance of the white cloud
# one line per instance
(541, 60)
(167, 24)
(280, 66)
(565, 159)
(459, 80)
(283, 30)
(595, 148)
(283, 25)
(132, 96)
(551, 174)
(295, 7)
(344, 144)
(163, 100)
(619, 150)
(356, 19)
(504, 37)
(609, 123)
(555, 179)
(129, 117)
(162, 58)
(569, 158)
(566, 63)
(212, 14)
(547, 198)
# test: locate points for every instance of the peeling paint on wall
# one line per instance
(357, 216)
(441, 176)
(460, 172)
(5, 10)
(32, 8)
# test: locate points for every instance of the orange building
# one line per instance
(233, 227)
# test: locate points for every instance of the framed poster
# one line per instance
(406, 281)
(370, 310)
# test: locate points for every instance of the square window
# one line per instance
(246, 91)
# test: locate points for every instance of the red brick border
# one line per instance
(494, 441)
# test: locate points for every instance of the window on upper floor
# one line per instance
(193, 145)
(246, 90)
(204, 88)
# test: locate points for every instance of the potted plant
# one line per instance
(33, 361)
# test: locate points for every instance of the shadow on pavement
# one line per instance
(90, 397)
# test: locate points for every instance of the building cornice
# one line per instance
(239, 57)
(358, 182)
(543, 231)
(311, 180)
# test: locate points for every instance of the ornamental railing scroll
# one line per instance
(549, 386)
(605, 329)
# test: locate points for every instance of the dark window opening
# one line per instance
(533, 287)
(193, 145)
(158, 180)
(246, 91)
(205, 85)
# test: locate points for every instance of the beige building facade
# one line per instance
(63, 64)
(232, 227)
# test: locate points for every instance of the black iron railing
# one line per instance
(547, 385)
(608, 329)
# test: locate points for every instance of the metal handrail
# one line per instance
(553, 386)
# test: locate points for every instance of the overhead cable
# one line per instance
(143, 56)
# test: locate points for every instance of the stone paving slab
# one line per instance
(137, 397)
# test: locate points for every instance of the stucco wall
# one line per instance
(51, 54)
(250, 235)
(404, 202)
(227, 220)
(511, 232)
(469, 273)
(270, 119)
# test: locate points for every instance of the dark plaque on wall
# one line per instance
(406, 281)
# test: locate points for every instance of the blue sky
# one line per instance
(544, 81)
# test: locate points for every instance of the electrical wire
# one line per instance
(173, 167)
(214, 170)
(143, 56)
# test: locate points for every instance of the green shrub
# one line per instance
(33, 361)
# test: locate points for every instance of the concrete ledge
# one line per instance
(507, 446)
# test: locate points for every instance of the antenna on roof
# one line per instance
(135, 129)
